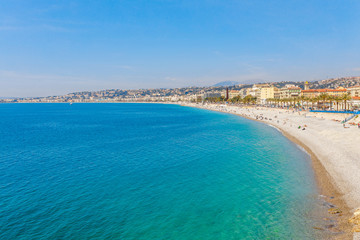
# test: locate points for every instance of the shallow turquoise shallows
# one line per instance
(148, 172)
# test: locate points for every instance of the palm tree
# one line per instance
(323, 97)
(268, 101)
(273, 100)
(302, 99)
(298, 100)
(337, 99)
(307, 100)
(277, 100)
(316, 99)
(247, 99)
(235, 99)
(284, 100)
(253, 100)
(345, 98)
(331, 100)
(288, 102)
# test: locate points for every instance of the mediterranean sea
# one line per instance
(149, 172)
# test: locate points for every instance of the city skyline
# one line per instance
(263, 93)
(70, 46)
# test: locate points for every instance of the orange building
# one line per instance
(311, 93)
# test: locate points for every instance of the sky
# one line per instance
(57, 47)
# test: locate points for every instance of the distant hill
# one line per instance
(336, 82)
(226, 83)
(283, 83)
(327, 83)
(158, 94)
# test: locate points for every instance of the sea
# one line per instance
(135, 171)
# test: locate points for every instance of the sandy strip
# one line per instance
(335, 151)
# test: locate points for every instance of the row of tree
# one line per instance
(322, 101)
(249, 99)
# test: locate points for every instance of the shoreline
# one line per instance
(328, 185)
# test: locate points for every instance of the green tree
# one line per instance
(248, 99)
(323, 97)
(337, 99)
(331, 100)
(345, 98)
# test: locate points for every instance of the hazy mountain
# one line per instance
(226, 83)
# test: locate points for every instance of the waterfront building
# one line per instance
(339, 92)
(233, 93)
(244, 92)
(290, 91)
(311, 93)
(253, 91)
(265, 93)
(277, 93)
(354, 91)
(355, 102)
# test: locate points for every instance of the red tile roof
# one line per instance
(324, 90)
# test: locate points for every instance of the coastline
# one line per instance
(333, 185)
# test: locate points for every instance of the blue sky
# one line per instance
(57, 47)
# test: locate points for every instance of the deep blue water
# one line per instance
(148, 171)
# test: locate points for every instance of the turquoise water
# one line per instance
(148, 171)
